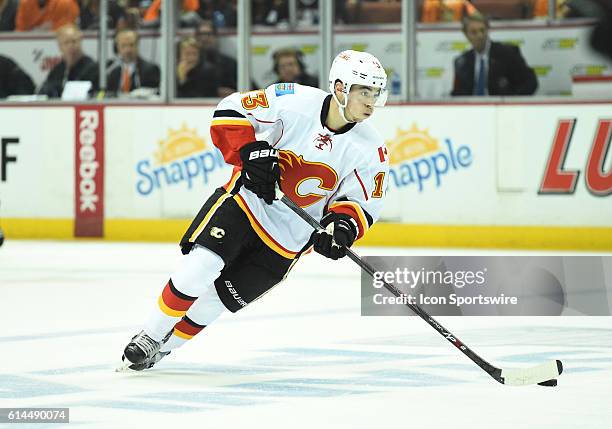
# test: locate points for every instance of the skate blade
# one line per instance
(124, 367)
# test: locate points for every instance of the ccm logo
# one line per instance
(264, 153)
(88, 125)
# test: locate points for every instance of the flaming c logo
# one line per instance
(295, 171)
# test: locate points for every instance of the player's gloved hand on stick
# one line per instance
(339, 234)
(260, 171)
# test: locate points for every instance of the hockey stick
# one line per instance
(544, 374)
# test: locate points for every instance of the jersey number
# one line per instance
(255, 99)
(379, 179)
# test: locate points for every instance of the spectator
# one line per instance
(289, 67)
(490, 68)
(270, 12)
(224, 12)
(90, 15)
(132, 18)
(46, 15)
(540, 8)
(74, 65)
(187, 14)
(224, 68)
(568, 8)
(602, 32)
(13, 80)
(194, 78)
(129, 71)
(8, 13)
(133, 12)
(446, 10)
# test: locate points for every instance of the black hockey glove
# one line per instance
(260, 171)
(339, 234)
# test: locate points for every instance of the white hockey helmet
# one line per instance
(358, 68)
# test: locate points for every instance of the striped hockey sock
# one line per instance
(171, 306)
(183, 331)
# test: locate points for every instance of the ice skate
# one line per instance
(142, 352)
(146, 364)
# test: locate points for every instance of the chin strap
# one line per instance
(341, 106)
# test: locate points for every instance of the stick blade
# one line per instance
(542, 374)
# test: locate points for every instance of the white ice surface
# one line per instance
(301, 357)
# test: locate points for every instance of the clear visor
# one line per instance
(370, 95)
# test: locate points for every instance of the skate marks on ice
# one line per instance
(581, 349)
(271, 375)
(275, 376)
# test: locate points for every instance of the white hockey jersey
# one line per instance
(344, 171)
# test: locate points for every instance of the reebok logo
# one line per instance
(89, 171)
(264, 153)
(88, 125)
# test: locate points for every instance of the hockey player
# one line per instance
(326, 158)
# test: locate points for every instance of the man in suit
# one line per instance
(75, 65)
(129, 71)
(224, 67)
(13, 80)
(490, 68)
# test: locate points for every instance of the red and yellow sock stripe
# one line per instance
(187, 328)
(174, 303)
